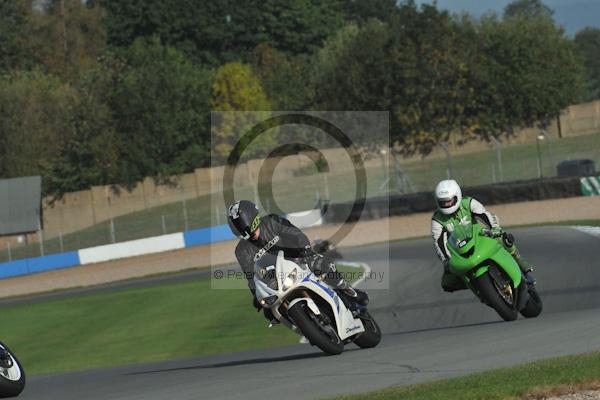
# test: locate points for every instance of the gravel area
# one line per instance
(585, 395)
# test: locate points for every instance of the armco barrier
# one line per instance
(305, 219)
(134, 248)
(512, 192)
(39, 264)
(203, 236)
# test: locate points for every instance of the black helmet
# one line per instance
(243, 218)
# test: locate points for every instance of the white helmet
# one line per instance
(448, 196)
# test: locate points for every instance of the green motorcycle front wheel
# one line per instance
(491, 294)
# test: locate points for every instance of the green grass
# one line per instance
(156, 323)
(138, 325)
(501, 383)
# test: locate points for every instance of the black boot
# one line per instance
(524, 265)
(270, 317)
(348, 294)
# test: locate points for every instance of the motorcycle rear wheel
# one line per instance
(534, 305)
(372, 334)
(12, 380)
(329, 342)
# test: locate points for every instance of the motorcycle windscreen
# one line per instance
(461, 239)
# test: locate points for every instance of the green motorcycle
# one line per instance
(491, 272)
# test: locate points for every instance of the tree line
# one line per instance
(104, 92)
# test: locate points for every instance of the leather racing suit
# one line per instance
(470, 211)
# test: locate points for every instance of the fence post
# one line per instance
(41, 238)
(164, 226)
(448, 159)
(113, 237)
(112, 222)
(498, 147)
(60, 238)
(326, 187)
(9, 251)
(185, 215)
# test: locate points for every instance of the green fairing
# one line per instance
(485, 248)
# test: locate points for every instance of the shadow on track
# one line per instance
(265, 360)
(442, 328)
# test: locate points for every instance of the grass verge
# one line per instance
(531, 380)
(147, 324)
(137, 325)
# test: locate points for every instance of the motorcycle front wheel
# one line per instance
(492, 293)
(12, 379)
(323, 336)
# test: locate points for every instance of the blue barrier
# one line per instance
(28, 266)
(210, 235)
(39, 264)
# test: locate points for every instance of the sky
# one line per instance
(573, 15)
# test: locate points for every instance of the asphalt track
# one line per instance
(428, 334)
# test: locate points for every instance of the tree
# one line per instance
(439, 75)
(68, 37)
(285, 79)
(291, 26)
(237, 88)
(88, 154)
(218, 31)
(343, 64)
(362, 10)
(429, 70)
(530, 72)
(199, 29)
(33, 116)
(527, 9)
(13, 35)
(143, 111)
(410, 66)
(587, 43)
(161, 109)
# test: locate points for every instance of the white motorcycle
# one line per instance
(305, 304)
(12, 375)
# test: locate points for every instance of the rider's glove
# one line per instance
(315, 263)
(308, 252)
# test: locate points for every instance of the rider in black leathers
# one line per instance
(271, 234)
